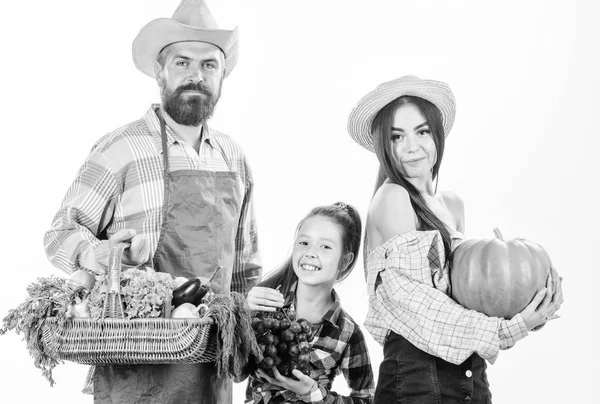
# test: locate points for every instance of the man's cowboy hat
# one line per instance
(436, 92)
(192, 21)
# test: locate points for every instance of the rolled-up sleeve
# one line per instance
(71, 242)
(409, 286)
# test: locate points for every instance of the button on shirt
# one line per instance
(121, 186)
(409, 284)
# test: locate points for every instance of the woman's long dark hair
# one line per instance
(382, 141)
(348, 218)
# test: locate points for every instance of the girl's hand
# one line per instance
(545, 303)
(264, 299)
(302, 386)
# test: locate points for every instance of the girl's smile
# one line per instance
(317, 251)
(310, 268)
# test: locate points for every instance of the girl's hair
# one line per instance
(382, 141)
(348, 218)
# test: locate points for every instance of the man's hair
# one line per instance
(161, 57)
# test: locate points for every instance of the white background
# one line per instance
(525, 76)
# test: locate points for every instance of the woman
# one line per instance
(434, 349)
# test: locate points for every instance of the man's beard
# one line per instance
(189, 110)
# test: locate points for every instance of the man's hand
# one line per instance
(302, 386)
(138, 251)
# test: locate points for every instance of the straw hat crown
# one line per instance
(362, 115)
(191, 21)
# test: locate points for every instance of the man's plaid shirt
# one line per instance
(409, 288)
(120, 185)
(338, 347)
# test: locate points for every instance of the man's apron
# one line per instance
(200, 221)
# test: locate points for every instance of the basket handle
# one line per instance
(113, 305)
(114, 267)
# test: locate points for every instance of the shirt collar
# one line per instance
(332, 314)
(153, 123)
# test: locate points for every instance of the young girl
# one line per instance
(434, 349)
(325, 251)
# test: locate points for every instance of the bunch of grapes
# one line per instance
(283, 340)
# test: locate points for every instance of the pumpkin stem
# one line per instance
(498, 234)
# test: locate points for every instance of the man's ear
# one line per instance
(158, 72)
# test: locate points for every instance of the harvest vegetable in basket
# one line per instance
(145, 293)
(47, 297)
(45, 312)
(81, 279)
(192, 291)
(498, 277)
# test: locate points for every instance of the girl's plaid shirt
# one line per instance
(338, 347)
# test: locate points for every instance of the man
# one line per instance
(179, 192)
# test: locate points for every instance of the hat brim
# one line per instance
(162, 32)
(362, 115)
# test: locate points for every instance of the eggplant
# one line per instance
(186, 293)
(192, 291)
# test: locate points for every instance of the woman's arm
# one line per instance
(391, 211)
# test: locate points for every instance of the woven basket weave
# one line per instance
(113, 340)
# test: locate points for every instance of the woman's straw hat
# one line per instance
(192, 21)
(436, 92)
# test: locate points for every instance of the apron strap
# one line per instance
(163, 137)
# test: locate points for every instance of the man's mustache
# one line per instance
(201, 88)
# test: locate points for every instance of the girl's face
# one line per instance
(413, 147)
(317, 251)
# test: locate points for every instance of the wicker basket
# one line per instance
(113, 340)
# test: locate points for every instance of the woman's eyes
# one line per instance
(400, 136)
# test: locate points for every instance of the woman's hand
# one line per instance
(545, 303)
(264, 299)
(302, 386)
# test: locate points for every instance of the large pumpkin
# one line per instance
(497, 277)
